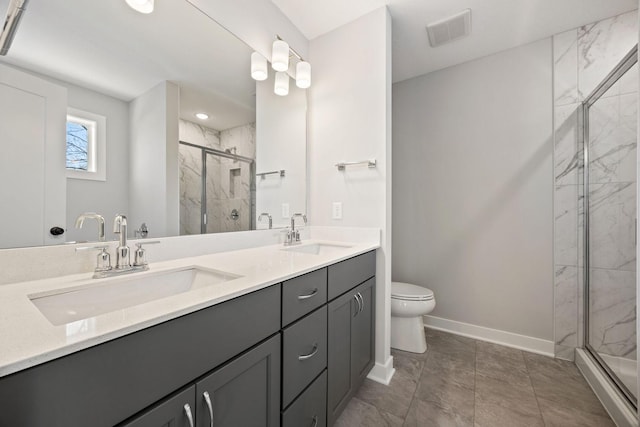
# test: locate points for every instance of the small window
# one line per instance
(86, 151)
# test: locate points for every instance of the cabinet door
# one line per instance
(351, 345)
(362, 336)
(244, 392)
(176, 411)
(339, 376)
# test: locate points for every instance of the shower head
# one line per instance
(14, 14)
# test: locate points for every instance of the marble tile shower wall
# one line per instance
(228, 181)
(582, 59)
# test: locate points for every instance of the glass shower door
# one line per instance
(611, 116)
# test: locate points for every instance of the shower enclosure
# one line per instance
(609, 125)
(217, 190)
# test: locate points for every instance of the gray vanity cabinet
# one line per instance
(175, 411)
(351, 338)
(245, 392)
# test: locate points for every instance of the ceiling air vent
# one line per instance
(447, 30)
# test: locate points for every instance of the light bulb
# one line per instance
(280, 55)
(259, 69)
(282, 84)
(142, 6)
(202, 116)
(303, 74)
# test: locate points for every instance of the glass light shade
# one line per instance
(282, 84)
(259, 69)
(303, 74)
(280, 55)
(142, 6)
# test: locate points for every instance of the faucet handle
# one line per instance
(103, 262)
(140, 255)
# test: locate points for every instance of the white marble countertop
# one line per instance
(27, 338)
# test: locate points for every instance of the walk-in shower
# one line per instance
(609, 125)
(217, 190)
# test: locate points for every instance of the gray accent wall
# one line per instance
(472, 189)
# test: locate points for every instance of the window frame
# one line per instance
(96, 146)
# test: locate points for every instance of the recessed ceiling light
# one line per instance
(202, 116)
(142, 6)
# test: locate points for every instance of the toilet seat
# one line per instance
(409, 292)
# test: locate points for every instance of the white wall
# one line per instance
(110, 197)
(155, 189)
(281, 129)
(350, 120)
(472, 212)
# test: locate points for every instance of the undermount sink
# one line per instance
(317, 248)
(93, 299)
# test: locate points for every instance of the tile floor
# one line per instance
(463, 382)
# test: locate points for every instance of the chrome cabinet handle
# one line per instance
(207, 399)
(361, 302)
(313, 293)
(187, 412)
(315, 421)
(359, 305)
(310, 355)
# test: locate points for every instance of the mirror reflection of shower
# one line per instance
(217, 169)
(610, 138)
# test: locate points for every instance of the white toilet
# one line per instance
(408, 304)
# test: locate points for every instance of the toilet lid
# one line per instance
(407, 291)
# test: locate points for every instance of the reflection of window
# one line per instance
(85, 156)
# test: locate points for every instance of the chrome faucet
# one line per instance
(123, 260)
(123, 257)
(92, 215)
(268, 216)
(293, 235)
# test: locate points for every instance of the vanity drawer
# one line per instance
(310, 409)
(304, 353)
(303, 294)
(349, 273)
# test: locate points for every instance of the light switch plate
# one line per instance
(285, 210)
(336, 212)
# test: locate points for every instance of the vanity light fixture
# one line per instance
(303, 74)
(280, 55)
(202, 116)
(259, 69)
(281, 87)
(142, 6)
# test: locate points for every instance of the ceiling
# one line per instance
(108, 47)
(496, 25)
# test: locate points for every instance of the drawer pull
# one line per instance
(187, 412)
(315, 421)
(310, 355)
(207, 400)
(313, 293)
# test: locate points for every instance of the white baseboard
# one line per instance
(496, 336)
(382, 373)
(621, 413)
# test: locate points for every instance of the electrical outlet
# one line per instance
(285, 210)
(336, 212)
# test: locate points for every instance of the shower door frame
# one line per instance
(623, 66)
(203, 196)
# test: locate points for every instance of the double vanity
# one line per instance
(264, 336)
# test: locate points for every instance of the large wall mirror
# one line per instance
(102, 109)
